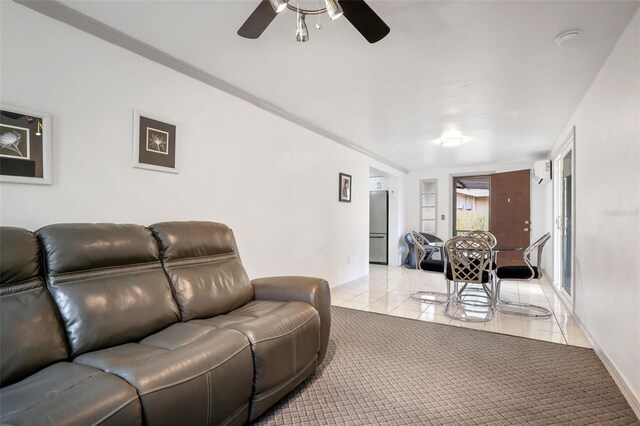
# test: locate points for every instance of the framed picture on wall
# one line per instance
(344, 188)
(154, 143)
(25, 145)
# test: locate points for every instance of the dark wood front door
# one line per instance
(510, 214)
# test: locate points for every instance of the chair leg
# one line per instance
(456, 298)
(522, 309)
(430, 296)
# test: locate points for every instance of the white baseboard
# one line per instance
(352, 281)
(627, 392)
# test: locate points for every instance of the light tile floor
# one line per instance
(387, 290)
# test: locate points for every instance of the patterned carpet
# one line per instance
(387, 370)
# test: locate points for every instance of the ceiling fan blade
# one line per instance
(366, 21)
(259, 20)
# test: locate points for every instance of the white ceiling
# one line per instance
(489, 70)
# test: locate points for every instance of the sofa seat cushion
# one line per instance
(184, 374)
(285, 338)
(66, 393)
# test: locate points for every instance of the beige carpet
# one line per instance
(387, 370)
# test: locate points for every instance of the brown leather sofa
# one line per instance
(123, 324)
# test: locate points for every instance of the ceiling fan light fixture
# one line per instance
(278, 5)
(334, 10)
(302, 32)
(451, 142)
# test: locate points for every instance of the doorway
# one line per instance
(471, 204)
(564, 213)
(498, 203)
(383, 218)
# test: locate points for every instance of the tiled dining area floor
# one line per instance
(387, 290)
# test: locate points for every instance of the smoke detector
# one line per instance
(567, 37)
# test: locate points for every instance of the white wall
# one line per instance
(607, 176)
(379, 184)
(274, 183)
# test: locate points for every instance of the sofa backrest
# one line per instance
(202, 262)
(31, 336)
(108, 283)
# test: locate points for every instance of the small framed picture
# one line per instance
(25, 146)
(154, 143)
(344, 188)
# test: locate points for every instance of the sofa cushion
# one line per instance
(108, 283)
(20, 260)
(285, 337)
(202, 262)
(31, 337)
(66, 393)
(184, 374)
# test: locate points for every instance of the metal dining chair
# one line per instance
(490, 239)
(526, 272)
(468, 260)
(485, 236)
(426, 263)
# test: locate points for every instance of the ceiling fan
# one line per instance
(358, 12)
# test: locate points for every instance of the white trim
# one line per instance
(136, 141)
(69, 16)
(47, 131)
(627, 392)
(356, 281)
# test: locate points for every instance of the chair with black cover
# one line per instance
(425, 262)
(526, 272)
(411, 257)
(468, 260)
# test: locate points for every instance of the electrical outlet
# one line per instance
(348, 260)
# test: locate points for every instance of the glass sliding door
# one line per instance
(564, 194)
(567, 223)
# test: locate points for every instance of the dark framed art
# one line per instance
(344, 188)
(154, 143)
(25, 145)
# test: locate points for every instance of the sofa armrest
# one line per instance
(306, 289)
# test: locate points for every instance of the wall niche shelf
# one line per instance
(428, 206)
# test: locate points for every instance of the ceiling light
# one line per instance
(566, 37)
(302, 33)
(333, 9)
(450, 142)
(278, 5)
